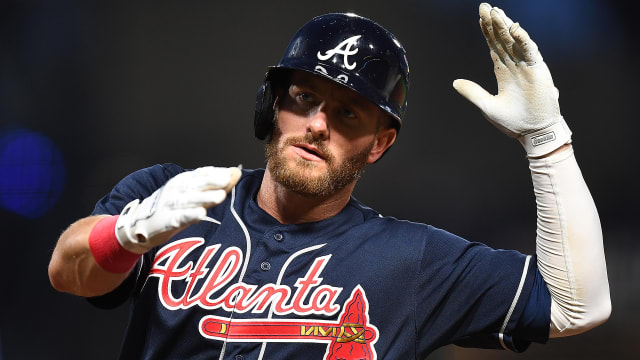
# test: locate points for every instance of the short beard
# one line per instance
(299, 180)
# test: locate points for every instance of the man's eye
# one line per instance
(304, 97)
(347, 113)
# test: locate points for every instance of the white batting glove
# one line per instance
(526, 106)
(182, 201)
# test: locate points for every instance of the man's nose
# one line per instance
(318, 124)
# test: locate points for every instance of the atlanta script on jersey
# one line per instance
(354, 286)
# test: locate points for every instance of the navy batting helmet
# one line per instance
(350, 50)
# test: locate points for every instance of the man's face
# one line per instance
(323, 136)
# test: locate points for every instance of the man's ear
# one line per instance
(383, 141)
(276, 100)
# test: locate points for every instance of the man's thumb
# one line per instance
(473, 92)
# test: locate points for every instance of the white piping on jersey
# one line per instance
(515, 301)
(210, 219)
(246, 258)
(140, 272)
(363, 206)
(246, 234)
(280, 275)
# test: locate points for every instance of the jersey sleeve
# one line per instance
(124, 291)
(137, 185)
(474, 296)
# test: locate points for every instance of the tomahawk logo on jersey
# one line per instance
(352, 327)
(244, 284)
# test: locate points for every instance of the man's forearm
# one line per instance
(569, 245)
(73, 268)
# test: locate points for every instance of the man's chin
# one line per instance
(309, 166)
(313, 178)
(307, 178)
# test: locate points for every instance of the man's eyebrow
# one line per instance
(357, 100)
(346, 94)
(303, 83)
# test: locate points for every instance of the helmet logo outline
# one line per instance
(345, 48)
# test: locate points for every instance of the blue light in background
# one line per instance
(32, 173)
(570, 25)
(560, 28)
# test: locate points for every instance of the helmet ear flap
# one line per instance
(264, 113)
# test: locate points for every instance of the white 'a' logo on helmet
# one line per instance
(345, 48)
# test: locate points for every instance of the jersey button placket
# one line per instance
(265, 265)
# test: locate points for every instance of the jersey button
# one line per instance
(265, 266)
(278, 237)
(238, 357)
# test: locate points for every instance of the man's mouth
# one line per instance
(309, 152)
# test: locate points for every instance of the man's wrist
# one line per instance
(544, 141)
(106, 248)
(562, 148)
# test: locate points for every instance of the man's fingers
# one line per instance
(506, 38)
(501, 24)
(473, 92)
(487, 31)
(207, 178)
(507, 32)
(235, 175)
(487, 26)
(485, 11)
(201, 198)
(190, 216)
(213, 197)
(216, 177)
(528, 47)
(507, 20)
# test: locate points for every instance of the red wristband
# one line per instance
(106, 248)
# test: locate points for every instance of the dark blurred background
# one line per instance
(91, 91)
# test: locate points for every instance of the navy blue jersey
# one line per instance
(354, 286)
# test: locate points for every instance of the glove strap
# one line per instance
(544, 141)
(126, 230)
(106, 249)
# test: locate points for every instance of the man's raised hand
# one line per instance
(526, 106)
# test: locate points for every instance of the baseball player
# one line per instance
(282, 263)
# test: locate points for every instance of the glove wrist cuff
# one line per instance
(126, 234)
(542, 142)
